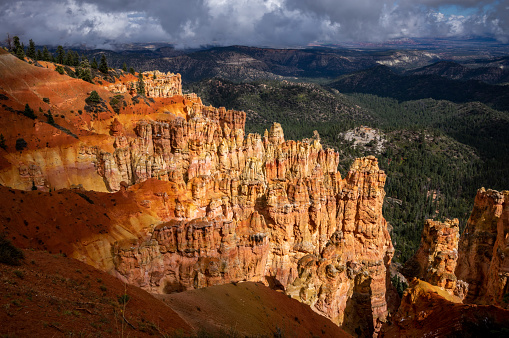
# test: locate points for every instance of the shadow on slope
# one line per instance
(249, 309)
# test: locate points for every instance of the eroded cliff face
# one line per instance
(196, 202)
(437, 257)
(429, 311)
(256, 209)
(157, 84)
(432, 305)
(475, 266)
(484, 249)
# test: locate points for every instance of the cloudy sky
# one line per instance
(278, 23)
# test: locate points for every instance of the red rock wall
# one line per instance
(484, 249)
(256, 209)
(157, 84)
(436, 259)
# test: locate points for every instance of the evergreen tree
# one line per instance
(19, 51)
(131, 70)
(103, 65)
(2, 142)
(31, 50)
(84, 63)
(39, 54)
(124, 67)
(77, 71)
(29, 112)
(69, 56)
(60, 55)
(46, 56)
(85, 73)
(15, 43)
(76, 59)
(141, 85)
(94, 63)
(51, 120)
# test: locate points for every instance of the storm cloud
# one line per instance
(280, 23)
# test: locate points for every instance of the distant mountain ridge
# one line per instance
(490, 74)
(382, 81)
(241, 63)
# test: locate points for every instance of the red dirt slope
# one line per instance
(53, 296)
(250, 309)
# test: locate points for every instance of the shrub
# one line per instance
(29, 112)
(51, 120)
(60, 70)
(94, 97)
(116, 102)
(9, 254)
(123, 299)
(21, 144)
(2, 142)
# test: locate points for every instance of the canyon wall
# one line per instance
(475, 266)
(437, 256)
(157, 84)
(433, 303)
(484, 249)
(192, 200)
(255, 209)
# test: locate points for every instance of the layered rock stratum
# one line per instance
(171, 195)
(156, 84)
(435, 261)
(484, 249)
(255, 209)
(450, 271)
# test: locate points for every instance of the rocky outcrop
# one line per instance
(430, 311)
(157, 84)
(197, 202)
(436, 259)
(256, 209)
(484, 249)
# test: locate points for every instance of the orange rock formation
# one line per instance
(256, 209)
(430, 311)
(196, 202)
(436, 259)
(484, 249)
(157, 84)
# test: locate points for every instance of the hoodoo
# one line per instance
(194, 202)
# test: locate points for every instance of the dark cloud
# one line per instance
(254, 22)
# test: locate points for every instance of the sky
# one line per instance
(274, 23)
